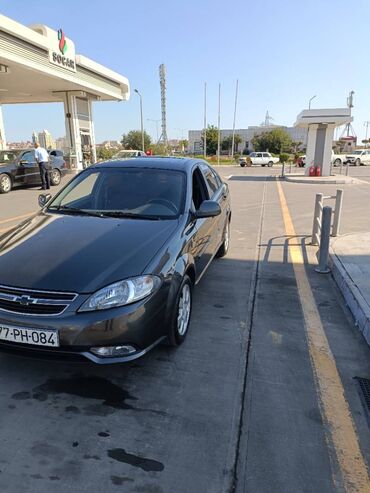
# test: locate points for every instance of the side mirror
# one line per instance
(208, 208)
(44, 199)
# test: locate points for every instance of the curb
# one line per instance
(357, 304)
(318, 181)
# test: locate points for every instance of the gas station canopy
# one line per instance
(40, 65)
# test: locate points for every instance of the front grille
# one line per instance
(34, 302)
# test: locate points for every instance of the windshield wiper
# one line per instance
(130, 215)
(74, 210)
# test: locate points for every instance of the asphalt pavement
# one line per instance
(238, 407)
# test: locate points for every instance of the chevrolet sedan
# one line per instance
(106, 269)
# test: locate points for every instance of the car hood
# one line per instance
(78, 253)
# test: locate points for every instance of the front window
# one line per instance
(8, 156)
(357, 153)
(140, 193)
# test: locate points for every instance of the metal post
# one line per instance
(283, 170)
(323, 267)
(233, 137)
(337, 212)
(141, 120)
(347, 168)
(219, 124)
(205, 122)
(316, 218)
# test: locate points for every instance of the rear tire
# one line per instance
(180, 320)
(242, 165)
(55, 177)
(222, 251)
(5, 183)
(337, 162)
(358, 162)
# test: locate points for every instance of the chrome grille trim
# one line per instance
(17, 300)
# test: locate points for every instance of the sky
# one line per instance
(281, 51)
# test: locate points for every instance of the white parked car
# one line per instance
(358, 157)
(262, 158)
(129, 154)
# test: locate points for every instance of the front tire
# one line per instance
(270, 164)
(55, 177)
(5, 183)
(337, 162)
(180, 320)
(242, 165)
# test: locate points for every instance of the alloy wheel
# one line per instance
(184, 309)
(5, 183)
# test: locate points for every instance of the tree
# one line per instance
(183, 144)
(212, 139)
(276, 140)
(159, 149)
(227, 142)
(132, 140)
(102, 153)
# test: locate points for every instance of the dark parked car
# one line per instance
(106, 269)
(20, 168)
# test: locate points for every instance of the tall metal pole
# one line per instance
(142, 123)
(309, 102)
(219, 124)
(205, 122)
(233, 139)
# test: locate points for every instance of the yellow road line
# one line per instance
(15, 218)
(334, 407)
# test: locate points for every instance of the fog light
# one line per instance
(108, 351)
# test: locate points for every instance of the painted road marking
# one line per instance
(334, 407)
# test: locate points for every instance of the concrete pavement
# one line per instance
(236, 408)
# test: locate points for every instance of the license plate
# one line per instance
(39, 337)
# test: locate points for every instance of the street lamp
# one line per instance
(309, 102)
(141, 118)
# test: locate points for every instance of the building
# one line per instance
(20, 145)
(39, 64)
(61, 143)
(45, 139)
(195, 145)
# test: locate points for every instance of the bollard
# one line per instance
(337, 212)
(323, 267)
(316, 219)
(283, 170)
(347, 168)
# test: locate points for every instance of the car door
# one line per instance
(217, 191)
(199, 231)
(366, 158)
(29, 168)
(258, 159)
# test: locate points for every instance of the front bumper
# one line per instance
(141, 325)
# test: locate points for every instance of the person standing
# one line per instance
(42, 157)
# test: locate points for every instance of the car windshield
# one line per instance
(142, 193)
(357, 152)
(8, 156)
(125, 154)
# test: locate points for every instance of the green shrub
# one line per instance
(283, 157)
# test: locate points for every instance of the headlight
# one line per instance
(121, 293)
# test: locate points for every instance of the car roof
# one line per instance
(171, 163)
